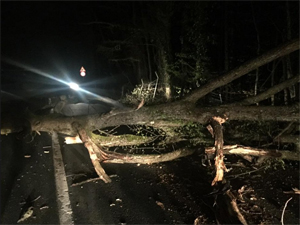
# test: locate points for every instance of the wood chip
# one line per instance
(44, 207)
(161, 205)
(73, 140)
(26, 215)
(48, 146)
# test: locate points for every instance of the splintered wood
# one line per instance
(220, 167)
(95, 152)
(98, 156)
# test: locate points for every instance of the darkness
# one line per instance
(47, 34)
(50, 37)
(120, 43)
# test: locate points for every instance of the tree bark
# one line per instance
(149, 159)
(95, 152)
(220, 167)
(164, 117)
(245, 68)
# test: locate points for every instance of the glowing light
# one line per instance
(82, 71)
(71, 85)
(74, 86)
(31, 69)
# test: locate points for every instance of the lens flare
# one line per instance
(74, 86)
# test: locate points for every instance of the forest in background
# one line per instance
(185, 45)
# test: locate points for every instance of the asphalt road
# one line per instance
(27, 179)
(139, 194)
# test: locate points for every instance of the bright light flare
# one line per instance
(74, 86)
(31, 69)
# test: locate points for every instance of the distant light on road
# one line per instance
(82, 71)
(74, 86)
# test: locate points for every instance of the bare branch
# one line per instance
(285, 205)
(245, 68)
(267, 94)
(236, 208)
(148, 159)
(245, 150)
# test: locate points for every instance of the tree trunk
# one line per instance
(257, 53)
(245, 68)
(289, 71)
(164, 116)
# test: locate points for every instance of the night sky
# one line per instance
(48, 36)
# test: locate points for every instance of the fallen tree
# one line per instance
(161, 117)
(168, 118)
(164, 116)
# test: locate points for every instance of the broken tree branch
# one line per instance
(235, 207)
(244, 150)
(284, 130)
(96, 154)
(86, 181)
(271, 91)
(149, 159)
(285, 205)
(295, 191)
(220, 167)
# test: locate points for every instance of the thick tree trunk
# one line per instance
(165, 116)
(244, 69)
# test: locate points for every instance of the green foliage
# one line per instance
(189, 66)
(149, 92)
(274, 164)
(192, 130)
(251, 129)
